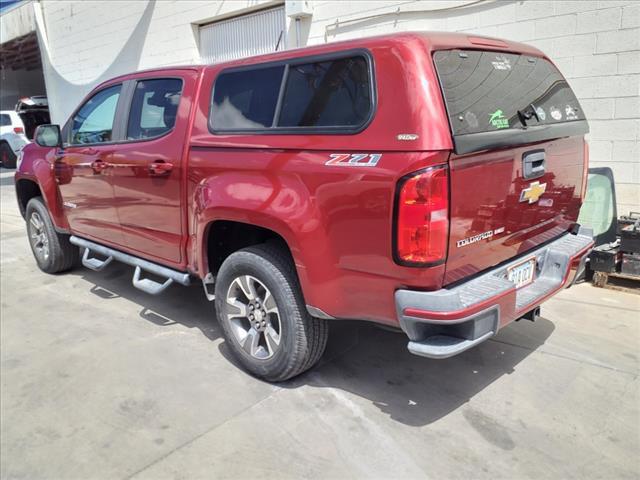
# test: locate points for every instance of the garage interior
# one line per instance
(20, 70)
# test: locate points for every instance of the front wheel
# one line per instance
(52, 250)
(263, 316)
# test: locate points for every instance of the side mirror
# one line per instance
(48, 136)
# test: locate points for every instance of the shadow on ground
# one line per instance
(177, 305)
(360, 358)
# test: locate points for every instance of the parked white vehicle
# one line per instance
(12, 138)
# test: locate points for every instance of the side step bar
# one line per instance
(145, 284)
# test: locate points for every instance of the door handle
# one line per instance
(160, 167)
(98, 166)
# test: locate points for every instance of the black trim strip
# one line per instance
(474, 142)
(283, 85)
(121, 120)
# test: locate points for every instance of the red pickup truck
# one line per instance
(426, 181)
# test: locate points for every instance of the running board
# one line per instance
(150, 286)
(94, 263)
(145, 284)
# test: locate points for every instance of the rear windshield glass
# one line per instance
(5, 120)
(492, 91)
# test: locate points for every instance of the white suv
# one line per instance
(12, 137)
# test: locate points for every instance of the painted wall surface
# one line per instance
(596, 44)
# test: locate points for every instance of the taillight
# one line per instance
(585, 172)
(423, 217)
(18, 130)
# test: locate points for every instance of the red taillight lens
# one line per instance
(18, 130)
(585, 172)
(423, 217)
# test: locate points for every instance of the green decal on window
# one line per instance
(497, 119)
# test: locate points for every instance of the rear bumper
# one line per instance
(446, 322)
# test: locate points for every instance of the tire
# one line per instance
(53, 251)
(7, 157)
(286, 340)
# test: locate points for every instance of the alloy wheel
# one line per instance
(38, 237)
(253, 316)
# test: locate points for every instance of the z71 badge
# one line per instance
(354, 159)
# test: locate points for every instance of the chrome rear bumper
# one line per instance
(446, 322)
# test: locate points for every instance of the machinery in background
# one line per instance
(621, 258)
(617, 239)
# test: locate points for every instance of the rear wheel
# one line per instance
(260, 307)
(7, 157)
(52, 250)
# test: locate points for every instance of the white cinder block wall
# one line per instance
(596, 44)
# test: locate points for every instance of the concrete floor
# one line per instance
(100, 380)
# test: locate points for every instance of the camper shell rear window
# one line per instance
(497, 99)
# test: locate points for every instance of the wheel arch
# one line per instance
(223, 237)
(227, 234)
(26, 189)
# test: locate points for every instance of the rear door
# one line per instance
(146, 168)
(516, 175)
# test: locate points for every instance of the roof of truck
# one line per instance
(432, 40)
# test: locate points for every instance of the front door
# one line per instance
(82, 168)
(147, 169)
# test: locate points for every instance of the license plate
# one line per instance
(522, 274)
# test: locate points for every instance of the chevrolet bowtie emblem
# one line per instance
(533, 193)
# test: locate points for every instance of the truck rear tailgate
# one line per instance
(490, 223)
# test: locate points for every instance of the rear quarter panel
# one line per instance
(337, 220)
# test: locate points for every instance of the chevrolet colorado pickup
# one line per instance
(426, 181)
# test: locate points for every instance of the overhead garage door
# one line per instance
(243, 36)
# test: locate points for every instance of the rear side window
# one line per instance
(246, 100)
(334, 93)
(329, 95)
(5, 120)
(154, 108)
(488, 92)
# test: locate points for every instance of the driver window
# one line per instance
(93, 123)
